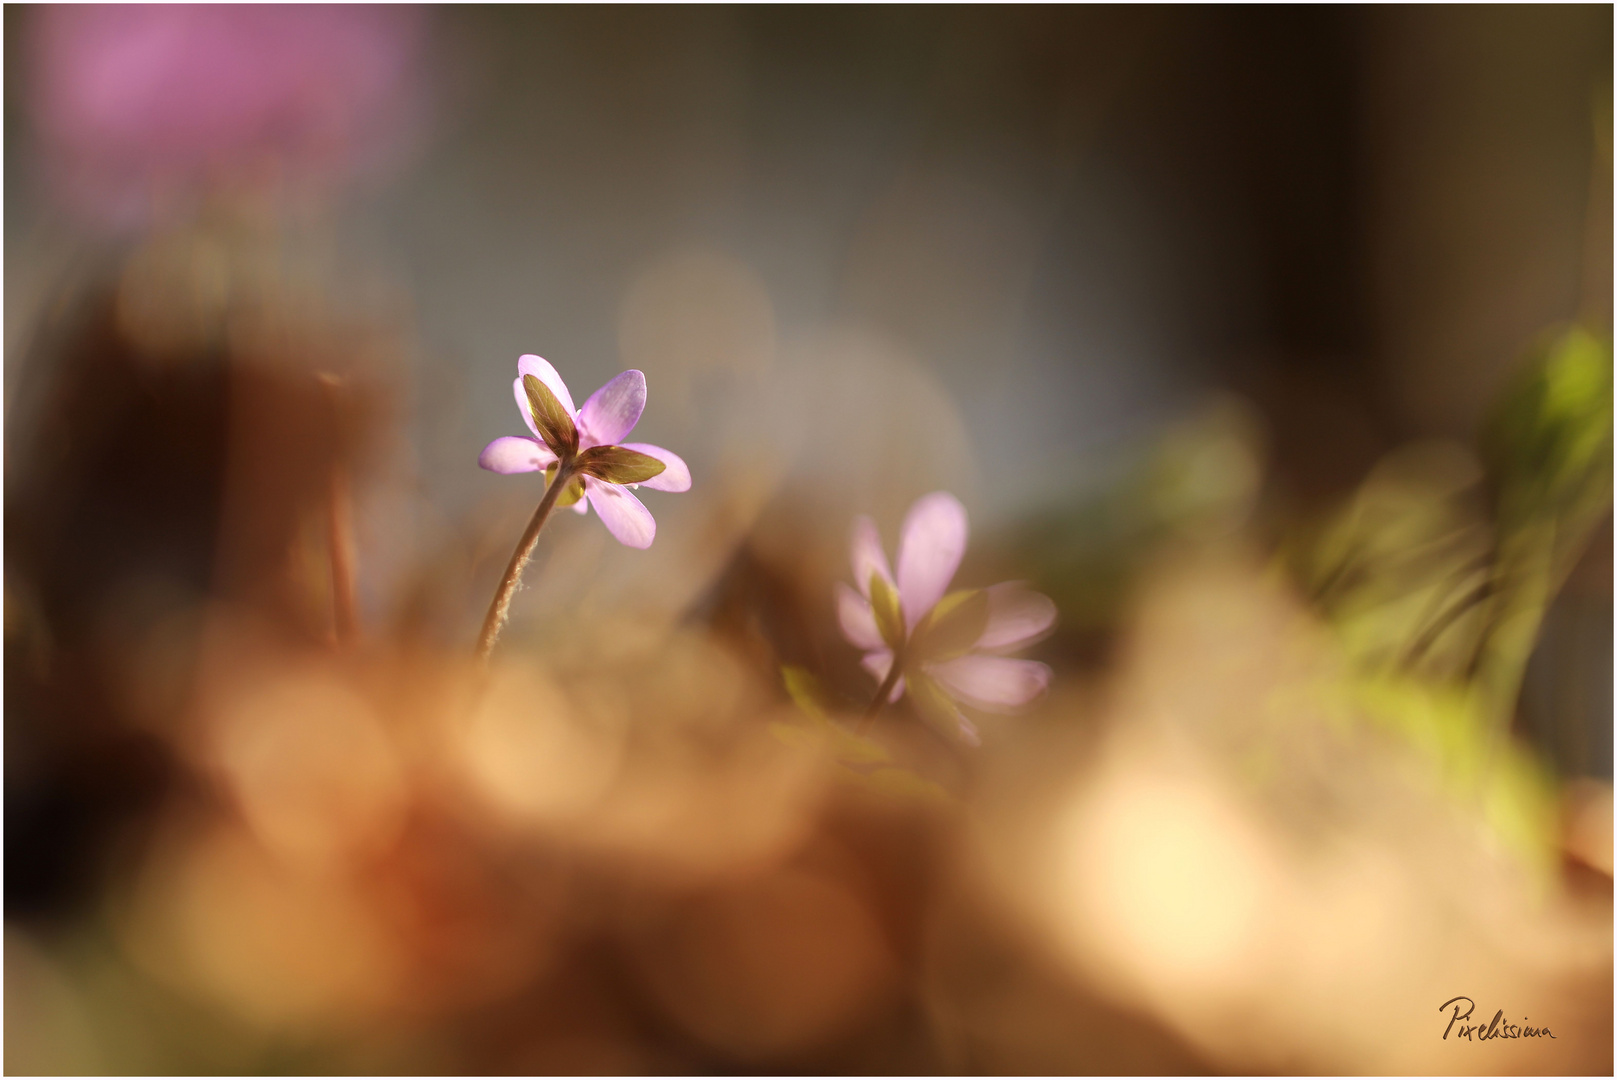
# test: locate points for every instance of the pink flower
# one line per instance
(950, 648)
(609, 414)
(139, 102)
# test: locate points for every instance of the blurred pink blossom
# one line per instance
(605, 418)
(138, 105)
(975, 670)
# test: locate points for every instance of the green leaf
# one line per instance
(851, 749)
(1550, 448)
(1449, 725)
(575, 487)
(816, 726)
(904, 784)
(619, 465)
(804, 690)
(798, 736)
(1404, 570)
(556, 428)
(1550, 445)
(1436, 576)
(951, 628)
(889, 614)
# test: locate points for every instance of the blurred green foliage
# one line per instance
(1437, 575)
(1434, 576)
(1549, 449)
(1441, 566)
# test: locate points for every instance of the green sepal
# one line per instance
(889, 614)
(556, 428)
(619, 465)
(575, 487)
(952, 627)
(929, 699)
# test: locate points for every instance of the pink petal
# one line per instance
(523, 407)
(540, 368)
(929, 552)
(878, 663)
(858, 621)
(677, 475)
(582, 506)
(994, 683)
(613, 410)
(1017, 617)
(515, 454)
(866, 554)
(625, 517)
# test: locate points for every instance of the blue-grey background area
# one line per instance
(877, 167)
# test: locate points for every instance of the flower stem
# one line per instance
(883, 692)
(340, 517)
(340, 547)
(501, 606)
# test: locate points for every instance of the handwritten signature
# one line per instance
(1495, 1029)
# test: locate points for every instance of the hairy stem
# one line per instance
(883, 692)
(340, 517)
(501, 606)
